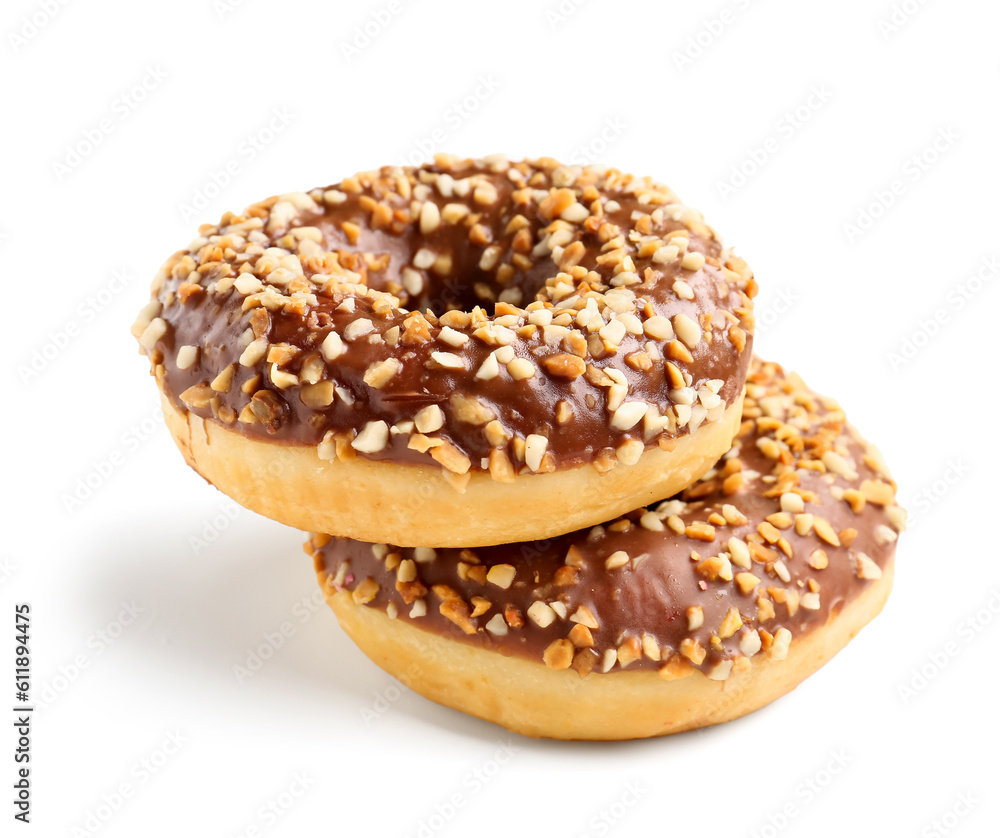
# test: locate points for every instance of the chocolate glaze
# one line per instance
(214, 321)
(652, 596)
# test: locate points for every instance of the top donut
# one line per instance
(475, 317)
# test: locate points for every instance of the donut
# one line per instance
(470, 352)
(687, 613)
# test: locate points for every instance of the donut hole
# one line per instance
(463, 290)
(463, 293)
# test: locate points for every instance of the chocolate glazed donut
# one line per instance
(393, 357)
(687, 613)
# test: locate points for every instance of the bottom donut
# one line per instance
(688, 613)
(533, 700)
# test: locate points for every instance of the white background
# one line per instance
(822, 106)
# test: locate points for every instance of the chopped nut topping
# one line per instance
(628, 415)
(700, 531)
(372, 439)
(448, 360)
(865, 567)
(629, 652)
(458, 612)
(379, 374)
(332, 347)
(521, 368)
(731, 623)
(746, 582)
(826, 532)
(534, 449)
(559, 654)
(585, 616)
(501, 575)
(779, 648)
(676, 667)
(616, 560)
(366, 591)
(451, 458)
(691, 649)
(877, 492)
(470, 410)
(541, 614)
(563, 365)
(429, 419)
(497, 625)
(187, 357)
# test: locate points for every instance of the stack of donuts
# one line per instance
(516, 406)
